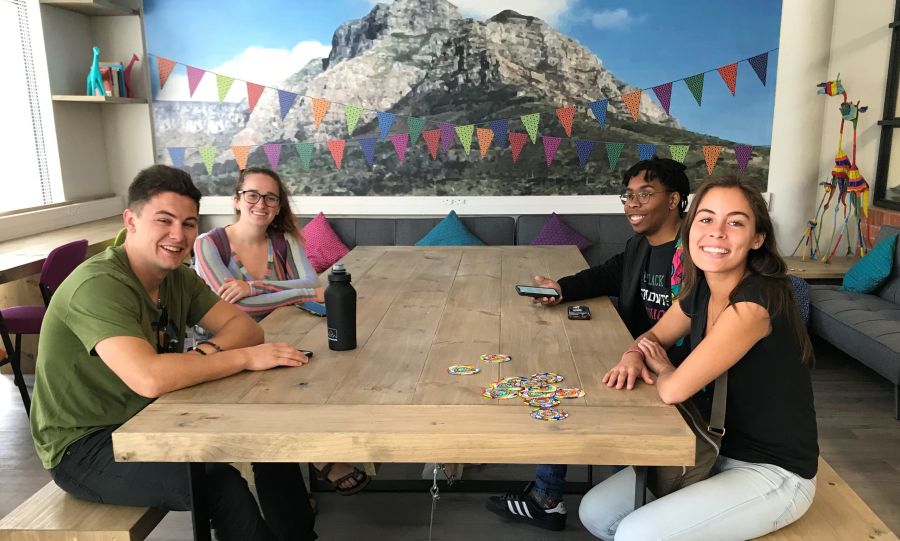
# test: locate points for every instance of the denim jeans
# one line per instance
(88, 471)
(550, 480)
(740, 500)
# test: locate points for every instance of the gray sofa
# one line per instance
(865, 326)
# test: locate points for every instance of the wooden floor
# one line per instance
(857, 435)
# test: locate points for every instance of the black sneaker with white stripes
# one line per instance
(521, 507)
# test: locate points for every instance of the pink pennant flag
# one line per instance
(551, 145)
(273, 152)
(516, 142)
(165, 67)
(254, 91)
(432, 139)
(400, 141)
(729, 75)
(448, 132)
(336, 146)
(566, 115)
(664, 95)
(194, 76)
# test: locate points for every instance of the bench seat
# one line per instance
(52, 515)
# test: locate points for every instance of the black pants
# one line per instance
(88, 471)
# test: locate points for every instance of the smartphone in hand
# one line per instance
(537, 292)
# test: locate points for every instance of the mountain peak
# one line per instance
(507, 14)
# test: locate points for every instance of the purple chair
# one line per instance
(20, 320)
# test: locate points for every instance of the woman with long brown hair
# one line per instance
(738, 307)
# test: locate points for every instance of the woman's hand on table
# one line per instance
(655, 356)
(234, 290)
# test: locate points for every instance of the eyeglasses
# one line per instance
(252, 197)
(166, 334)
(642, 197)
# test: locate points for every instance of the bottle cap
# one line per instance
(338, 273)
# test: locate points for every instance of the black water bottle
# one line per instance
(340, 303)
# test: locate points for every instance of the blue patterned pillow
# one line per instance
(871, 271)
(450, 232)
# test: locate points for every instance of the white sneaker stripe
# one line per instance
(525, 508)
(509, 504)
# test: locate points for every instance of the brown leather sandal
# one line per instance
(359, 476)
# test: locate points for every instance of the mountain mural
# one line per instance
(422, 58)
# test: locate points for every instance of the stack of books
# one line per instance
(113, 74)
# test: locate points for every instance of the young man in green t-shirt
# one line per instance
(112, 342)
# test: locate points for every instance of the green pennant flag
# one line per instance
(531, 124)
(678, 152)
(465, 136)
(352, 113)
(223, 83)
(414, 125)
(209, 156)
(695, 84)
(613, 151)
(304, 150)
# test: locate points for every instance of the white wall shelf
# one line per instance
(92, 8)
(96, 99)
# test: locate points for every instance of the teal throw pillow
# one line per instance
(450, 232)
(872, 270)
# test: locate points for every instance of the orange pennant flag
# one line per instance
(165, 67)
(729, 75)
(485, 138)
(240, 156)
(566, 115)
(711, 153)
(336, 146)
(320, 107)
(633, 101)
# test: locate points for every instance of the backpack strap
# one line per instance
(220, 239)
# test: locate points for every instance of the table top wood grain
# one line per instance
(391, 399)
(808, 269)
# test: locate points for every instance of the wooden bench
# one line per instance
(52, 515)
(837, 514)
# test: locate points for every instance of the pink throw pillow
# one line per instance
(323, 247)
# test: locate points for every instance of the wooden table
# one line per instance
(811, 270)
(20, 258)
(392, 400)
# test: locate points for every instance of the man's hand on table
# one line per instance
(543, 281)
(266, 356)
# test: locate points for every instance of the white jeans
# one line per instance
(740, 501)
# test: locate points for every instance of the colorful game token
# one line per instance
(462, 370)
(543, 402)
(549, 414)
(546, 377)
(517, 381)
(500, 394)
(495, 358)
(569, 392)
(506, 386)
(538, 391)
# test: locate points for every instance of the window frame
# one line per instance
(890, 120)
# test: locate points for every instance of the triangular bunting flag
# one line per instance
(385, 121)
(516, 142)
(584, 149)
(254, 91)
(646, 151)
(164, 67)
(760, 65)
(223, 85)
(320, 107)
(304, 150)
(711, 154)
(485, 136)
(742, 154)
(551, 145)
(695, 85)
(465, 136)
(273, 152)
(448, 132)
(729, 75)
(599, 109)
(208, 154)
(286, 101)
(352, 112)
(194, 76)
(400, 141)
(336, 146)
(240, 156)
(678, 152)
(177, 155)
(633, 101)
(500, 129)
(566, 115)
(613, 151)
(531, 123)
(432, 140)
(367, 146)
(664, 95)
(415, 125)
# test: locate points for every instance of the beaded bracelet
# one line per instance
(635, 349)
(213, 344)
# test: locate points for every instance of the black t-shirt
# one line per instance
(656, 291)
(769, 414)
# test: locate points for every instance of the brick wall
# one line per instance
(877, 218)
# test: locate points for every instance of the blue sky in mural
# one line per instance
(643, 42)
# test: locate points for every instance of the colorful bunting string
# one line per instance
(254, 91)
(633, 101)
(664, 95)
(584, 148)
(164, 67)
(241, 153)
(566, 116)
(448, 131)
(464, 133)
(367, 146)
(711, 155)
(678, 152)
(273, 153)
(760, 64)
(742, 155)
(500, 129)
(531, 122)
(385, 121)
(599, 109)
(223, 85)
(485, 136)
(352, 113)
(551, 145)
(194, 76)
(729, 75)
(400, 142)
(415, 125)
(432, 140)
(208, 155)
(320, 107)
(613, 151)
(695, 85)
(516, 142)
(336, 146)
(305, 150)
(285, 102)
(646, 151)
